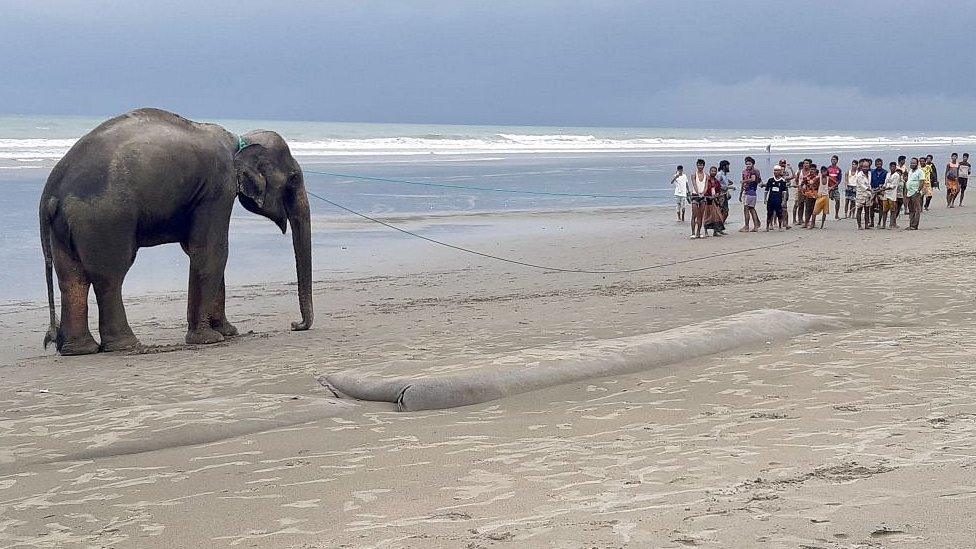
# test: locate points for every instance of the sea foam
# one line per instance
(38, 149)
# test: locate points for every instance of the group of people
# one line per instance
(873, 195)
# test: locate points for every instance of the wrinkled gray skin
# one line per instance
(151, 177)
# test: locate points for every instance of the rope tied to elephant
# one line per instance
(546, 267)
(485, 189)
(242, 144)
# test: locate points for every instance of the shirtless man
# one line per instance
(696, 195)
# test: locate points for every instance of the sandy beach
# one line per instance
(860, 437)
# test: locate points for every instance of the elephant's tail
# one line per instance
(53, 330)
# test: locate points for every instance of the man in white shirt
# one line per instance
(864, 195)
(890, 204)
(680, 182)
(913, 193)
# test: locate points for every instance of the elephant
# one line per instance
(151, 177)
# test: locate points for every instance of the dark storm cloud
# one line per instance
(848, 65)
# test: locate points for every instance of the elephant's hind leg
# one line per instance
(113, 327)
(107, 260)
(74, 337)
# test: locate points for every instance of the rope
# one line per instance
(545, 267)
(488, 189)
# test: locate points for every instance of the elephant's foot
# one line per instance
(123, 343)
(84, 345)
(203, 336)
(225, 328)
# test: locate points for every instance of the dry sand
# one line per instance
(855, 438)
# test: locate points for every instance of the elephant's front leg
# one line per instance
(207, 248)
(218, 317)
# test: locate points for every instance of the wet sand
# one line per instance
(852, 438)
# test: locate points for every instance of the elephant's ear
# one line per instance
(250, 181)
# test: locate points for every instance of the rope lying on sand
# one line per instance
(533, 369)
(487, 189)
(546, 267)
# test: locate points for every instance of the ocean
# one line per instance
(633, 163)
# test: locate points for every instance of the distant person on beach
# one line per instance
(913, 193)
(825, 185)
(850, 190)
(808, 190)
(835, 174)
(927, 191)
(696, 195)
(965, 169)
(863, 195)
(787, 175)
(890, 204)
(933, 177)
(680, 182)
(725, 180)
(878, 177)
(784, 166)
(713, 213)
(748, 195)
(952, 180)
(798, 204)
(903, 168)
(776, 189)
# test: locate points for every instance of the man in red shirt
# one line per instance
(835, 173)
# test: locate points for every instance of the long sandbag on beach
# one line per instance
(532, 369)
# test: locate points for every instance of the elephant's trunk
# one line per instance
(301, 236)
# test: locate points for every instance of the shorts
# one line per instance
(750, 200)
(850, 193)
(963, 181)
(889, 205)
(679, 202)
(822, 206)
(834, 194)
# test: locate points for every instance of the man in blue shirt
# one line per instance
(878, 177)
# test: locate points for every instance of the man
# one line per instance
(952, 180)
(863, 195)
(890, 202)
(933, 173)
(903, 168)
(713, 214)
(926, 181)
(809, 191)
(878, 177)
(724, 167)
(826, 185)
(965, 168)
(913, 193)
(850, 190)
(750, 185)
(696, 195)
(835, 174)
(798, 178)
(776, 189)
(787, 174)
(680, 182)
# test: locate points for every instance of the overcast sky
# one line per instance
(722, 64)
